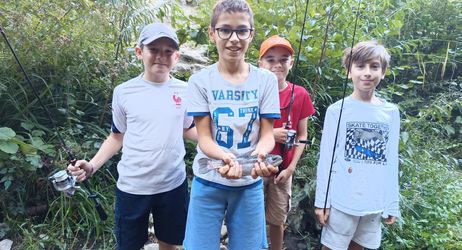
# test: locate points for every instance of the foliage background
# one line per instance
(77, 51)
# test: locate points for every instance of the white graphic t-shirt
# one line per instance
(235, 111)
(364, 176)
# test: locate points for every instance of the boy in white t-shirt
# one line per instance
(149, 122)
(364, 178)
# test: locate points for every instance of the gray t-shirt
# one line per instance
(235, 110)
(152, 117)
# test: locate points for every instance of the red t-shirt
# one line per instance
(302, 107)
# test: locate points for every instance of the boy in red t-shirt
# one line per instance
(296, 106)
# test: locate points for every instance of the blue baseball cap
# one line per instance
(154, 31)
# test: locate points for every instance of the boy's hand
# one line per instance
(322, 218)
(261, 169)
(232, 169)
(390, 220)
(280, 135)
(82, 169)
(283, 176)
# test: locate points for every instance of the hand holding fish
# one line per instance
(261, 168)
(231, 168)
(244, 165)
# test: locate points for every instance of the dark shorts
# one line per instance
(169, 212)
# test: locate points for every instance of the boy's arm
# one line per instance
(302, 134)
(190, 134)
(189, 128)
(205, 139)
(264, 146)
(84, 169)
(232, 170)
(266, 142)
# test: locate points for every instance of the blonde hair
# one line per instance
(364, 52)
(231, 6)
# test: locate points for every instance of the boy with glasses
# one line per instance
(296, 106)
(233, 104)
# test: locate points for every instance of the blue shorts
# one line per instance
(169, 211)
(241, 207)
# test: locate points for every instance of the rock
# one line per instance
(193, 58)
(182, 67)
(301, 246)
(151, 224)
(6, 244)
(151, 246)
(194, 53)
(4, 228)
(224, 231)
(151, 230)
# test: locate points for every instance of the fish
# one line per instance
(247, 162)
(367, 134)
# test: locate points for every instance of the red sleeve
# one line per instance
(307, 104)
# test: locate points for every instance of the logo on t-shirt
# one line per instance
(177, 100)
(366, 142)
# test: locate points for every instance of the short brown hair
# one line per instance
(364, 52)
(231, 6)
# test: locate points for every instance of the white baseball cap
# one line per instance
(154, 31)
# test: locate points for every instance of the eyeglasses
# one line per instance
(242, 34)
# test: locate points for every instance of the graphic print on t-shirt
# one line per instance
(223, 117)
(366, 142)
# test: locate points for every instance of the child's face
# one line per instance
(159, 57)
(232, 49)
(277, 60)
(366, 76)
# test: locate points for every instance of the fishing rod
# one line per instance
(341, 106)
(292, 133)
(62, 180)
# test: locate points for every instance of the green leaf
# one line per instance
(415, 81)
(34, 160)
(458, 119)
(449, 129)
(9, 147)
(27, 125)
(7, 184)
(405, 137)
(403, 86)
(6, 133)
(25, 148)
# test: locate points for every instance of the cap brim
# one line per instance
(152, 39)
(291, 51)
